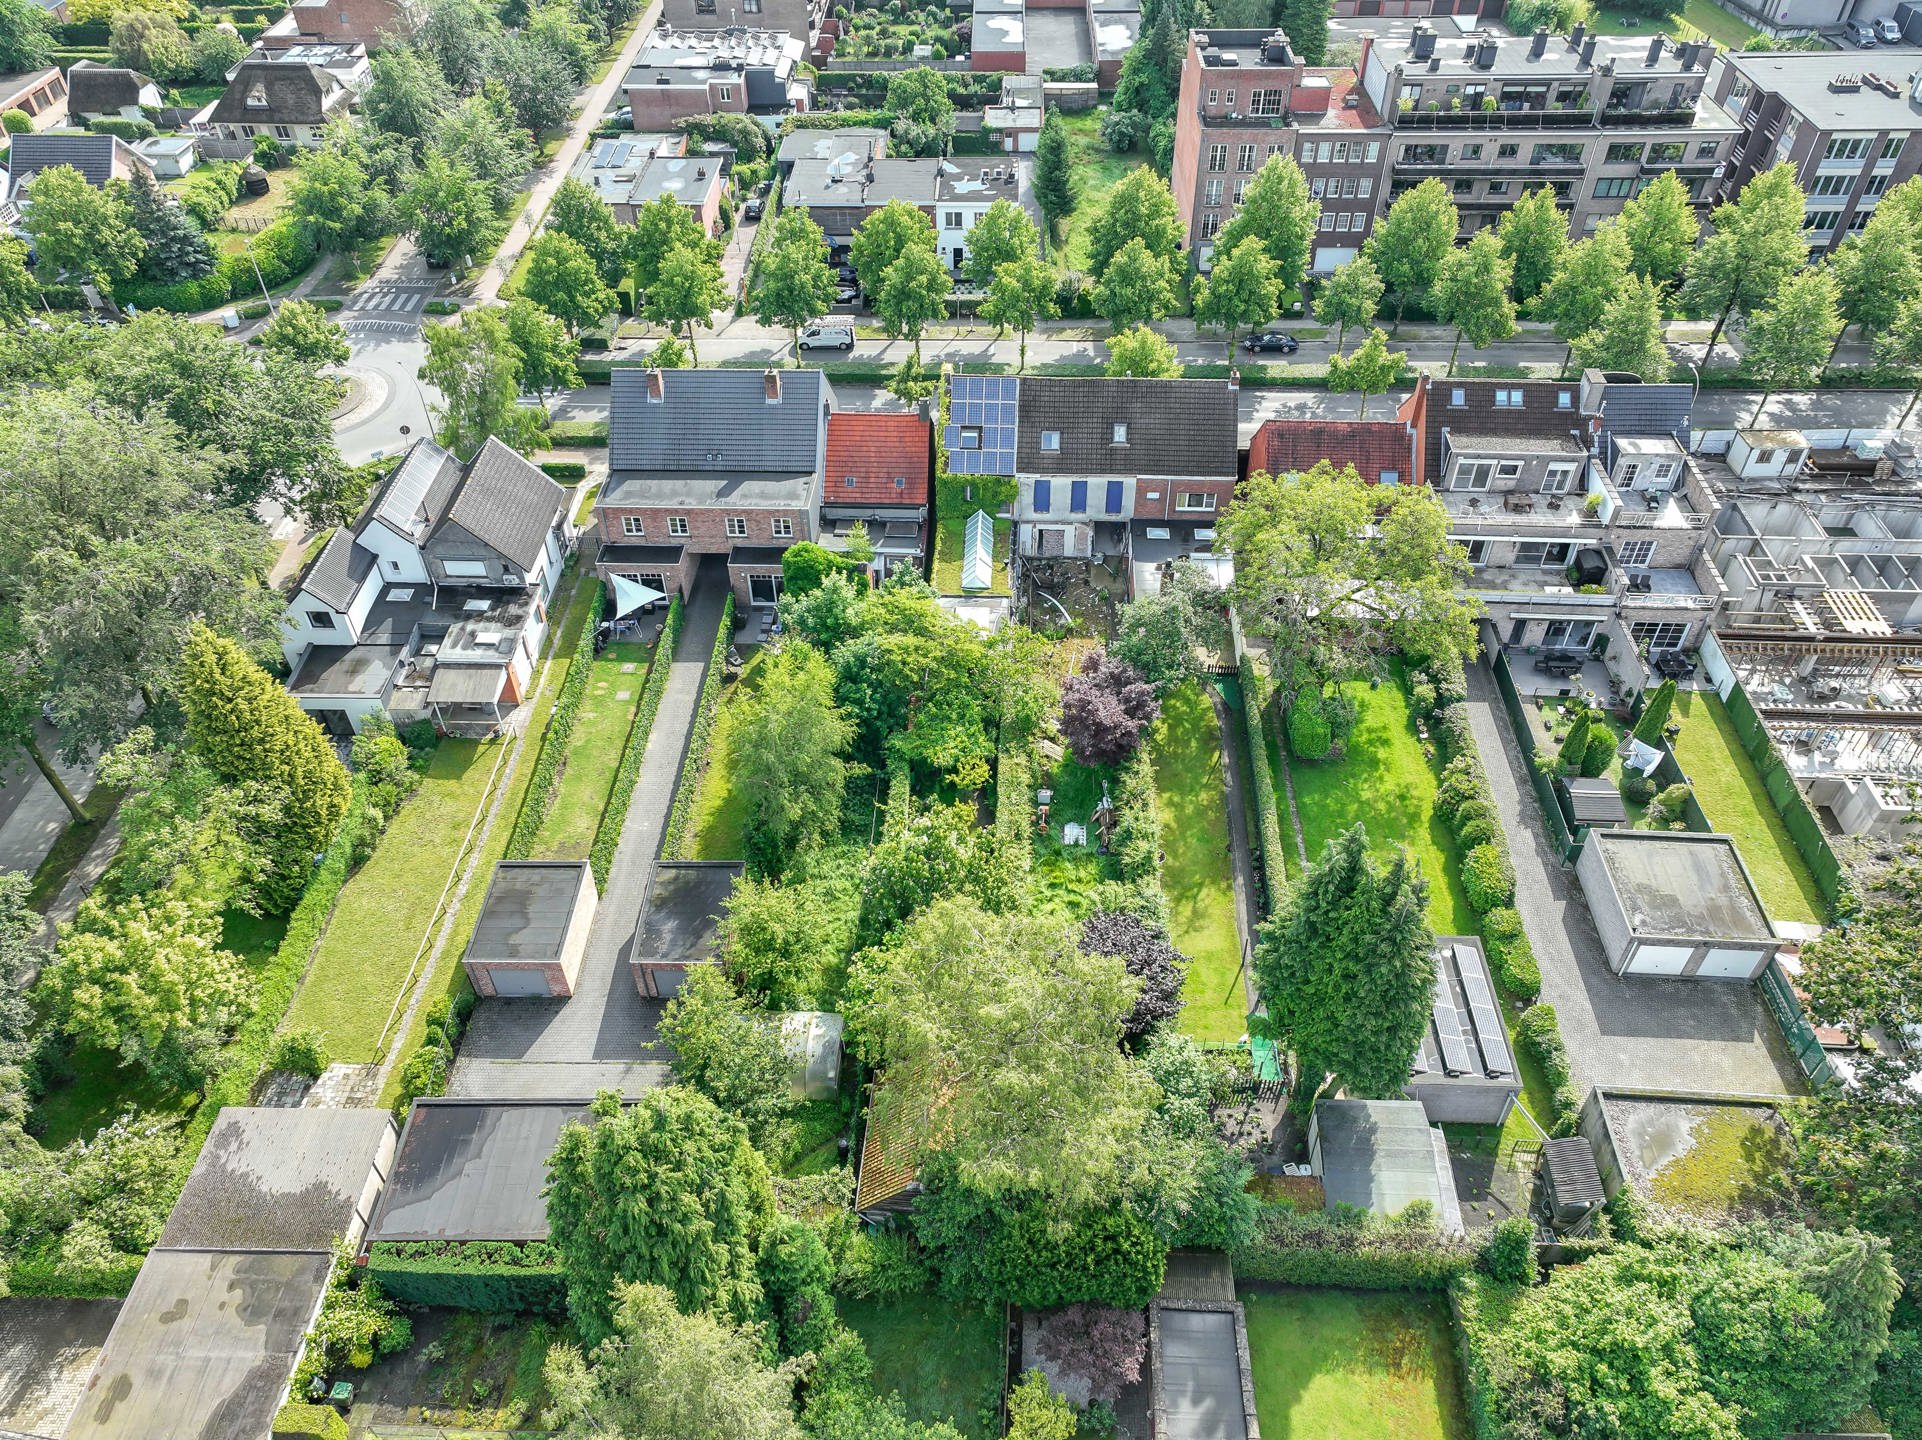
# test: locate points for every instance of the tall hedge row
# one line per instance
(471, 1274)
(707, 711)
(1351, 1248)
(607, 836)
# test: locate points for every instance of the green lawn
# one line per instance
(371, 941)
(1198, 872)
(1731, 794)
(943, 1356)
(1352, 1365)
(720, 810)
(1386, 782)
(594, 752)
(1096, 170)
(1698, 19)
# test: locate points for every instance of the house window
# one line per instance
(1508, 152)
(1077, 497)
(1659, 634)
(1497, 187)
(1268, 102)
(1764, 457)
(1231, 99)
(1706, 150)
(970, 438)
(1477, 552)
(1473, 475)
(1464, 185)
(1614, 188)
(1210, 223)
(751, 7)
(1214, 98)
(1848, 147)
(1114, 497)
(1635, 554)
(1624, 154)
(1241, 190)
(464, 569)
(1043, 496)
(1245, 157)
(1891, 147)
(1374, 150)
(1831, 185)
(634, 526)
(1569, 635)
(1212, 195)
(1364, 188)
(1508, 399)
(1327, 221)
(1342, 221)
(1051, 441)
(954, 219)
(320, 619)
(1544, 554)
(1555, 480)
(724, 94)
(783, 527)
(1121, 432)
(1823, 221)
(1194, 500)
(1564, 399)
(1509, 470)
(1390, 477)
(737, 527)
(1217, 157)
(1859, 221)
(1877, 184)
(677, 526)
(283, 132)
(703, 7)
(1318, 188)
(1457, 397)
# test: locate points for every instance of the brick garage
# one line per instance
(532, 930)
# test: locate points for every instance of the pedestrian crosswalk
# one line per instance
(387, 308)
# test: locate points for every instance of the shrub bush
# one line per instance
(1601, 750)
(1479, 829)
(1310, 736)
(1488, 877)
(1460, 784)
(123, 129)
(304, 1052)
(1450, 728)
(1137, 830)
(881, 1265)
(1637, 789)
(499, 1277)
(1538, 1031)
(607, 835)
(1509, 1252)
(1351, 1248)
(1671, 806)
(183, 297)
(580, 434)
(1510, 956)
(309, 1422)
(564, 470)
(1421, 698)
(209, 191)
(16, 122)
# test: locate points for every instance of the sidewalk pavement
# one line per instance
(32, 817)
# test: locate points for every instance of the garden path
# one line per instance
(605, 1034)
(1236, 785)
(1701, 1035)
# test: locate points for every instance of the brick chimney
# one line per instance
(656, 386)
(771, 386)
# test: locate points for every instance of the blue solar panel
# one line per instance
(982, 412)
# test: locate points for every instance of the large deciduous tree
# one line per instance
(1137, 286)
(914, 291)
(477, 369)
(1533, 235)
(661, 226)
(81, 231)
(1004, 235)
(1105, 708)
(244, 724)
(1152, 960)
(1241, 291)
(581, 215)
(1021, 295)
(793, 285)
(1349, 970)
(1756, 244)
(334, 201)
(1278, 213)
(1142, 354)
(1014, 1030)
(667, 1191)
(729, 1050)
(883, 238)
(301, 331)
(1876, 271)
(407, 95)
(1372, 370)
(1412, 240)
(1158, 634)
(1139, 207)
(664, 1374)
(1472, 294)
(26, 38)
(787, 742)
(1660, 228)
(1789, 342)
(1900, 348)
(1628, 335)
(1590, 274)
(1351, 296)
(564, 280)
(548, 353)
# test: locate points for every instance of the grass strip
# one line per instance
(607, 837)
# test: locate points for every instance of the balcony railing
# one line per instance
(1565, 119)
(1247, 122)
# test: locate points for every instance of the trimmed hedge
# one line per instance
(1254, 704)
(183, 297)
(1137, 828)
(425, 1071)
(707, 711)
(584, 434)
(309, 1422)
(123, 129)
(471, 1275)
(607, 835)
(1488, 876)
(1013, 812)
(564, 469)
(1510, 956)
(546, 781)
(41, 1271)
(1539, 1033)
(1351, 1248)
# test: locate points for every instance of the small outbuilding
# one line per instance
(1465, 1071)
(813, 1039)
(1572, 1186)
(533, 928)
(473, 1170)
(1676, 904)
(680, 923)
(1382, 1155)
(1596, 804)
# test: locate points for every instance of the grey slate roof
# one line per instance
(94, 89)
(296, 94)
(275, 1179)
(507, 502)
(91, 155)
(1647, 409)
(718, 421)
(339, 569)
(1175, 427)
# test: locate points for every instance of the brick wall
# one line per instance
(1163, 506)
(706, 528)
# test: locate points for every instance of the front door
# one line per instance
(764, 589)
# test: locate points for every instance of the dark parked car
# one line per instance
(846, 294)
(1270, 340)
(752, 209)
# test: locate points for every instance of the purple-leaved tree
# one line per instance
(1104, 709)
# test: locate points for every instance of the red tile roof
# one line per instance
(1371, 446)
(876, 450)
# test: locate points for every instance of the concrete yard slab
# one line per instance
(47, 1350)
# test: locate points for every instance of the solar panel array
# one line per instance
(1449, 1026)
(1488, 1021)
(987, 403)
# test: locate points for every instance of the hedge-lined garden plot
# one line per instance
(943, 1357)
(593, 754)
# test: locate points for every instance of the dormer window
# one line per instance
(1051, 441)
(848, 480)
(257, 97)
(1121, 432)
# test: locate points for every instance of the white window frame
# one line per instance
(1557, 478)
(1195, 500)
(1051, 441)
(464, 569)
(783, 527)
(1634, 554)
(1472, 475)
(634, 527)
(677, 526)
(737, 527)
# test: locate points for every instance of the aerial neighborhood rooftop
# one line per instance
(762, 720)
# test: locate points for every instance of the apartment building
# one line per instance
(714, 72)
(840, 192)
(1582, 513)
(1850, 124)
(1595, 118)
(799, 18)
(1245, 98)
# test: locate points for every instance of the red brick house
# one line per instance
(877, 473)
(711, 462)
(1383, 452)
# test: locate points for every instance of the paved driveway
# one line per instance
(1703, 1035)
(47, 1350)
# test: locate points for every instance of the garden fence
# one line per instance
(1567, 844)
(1801, 1037)
(1786, 796)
